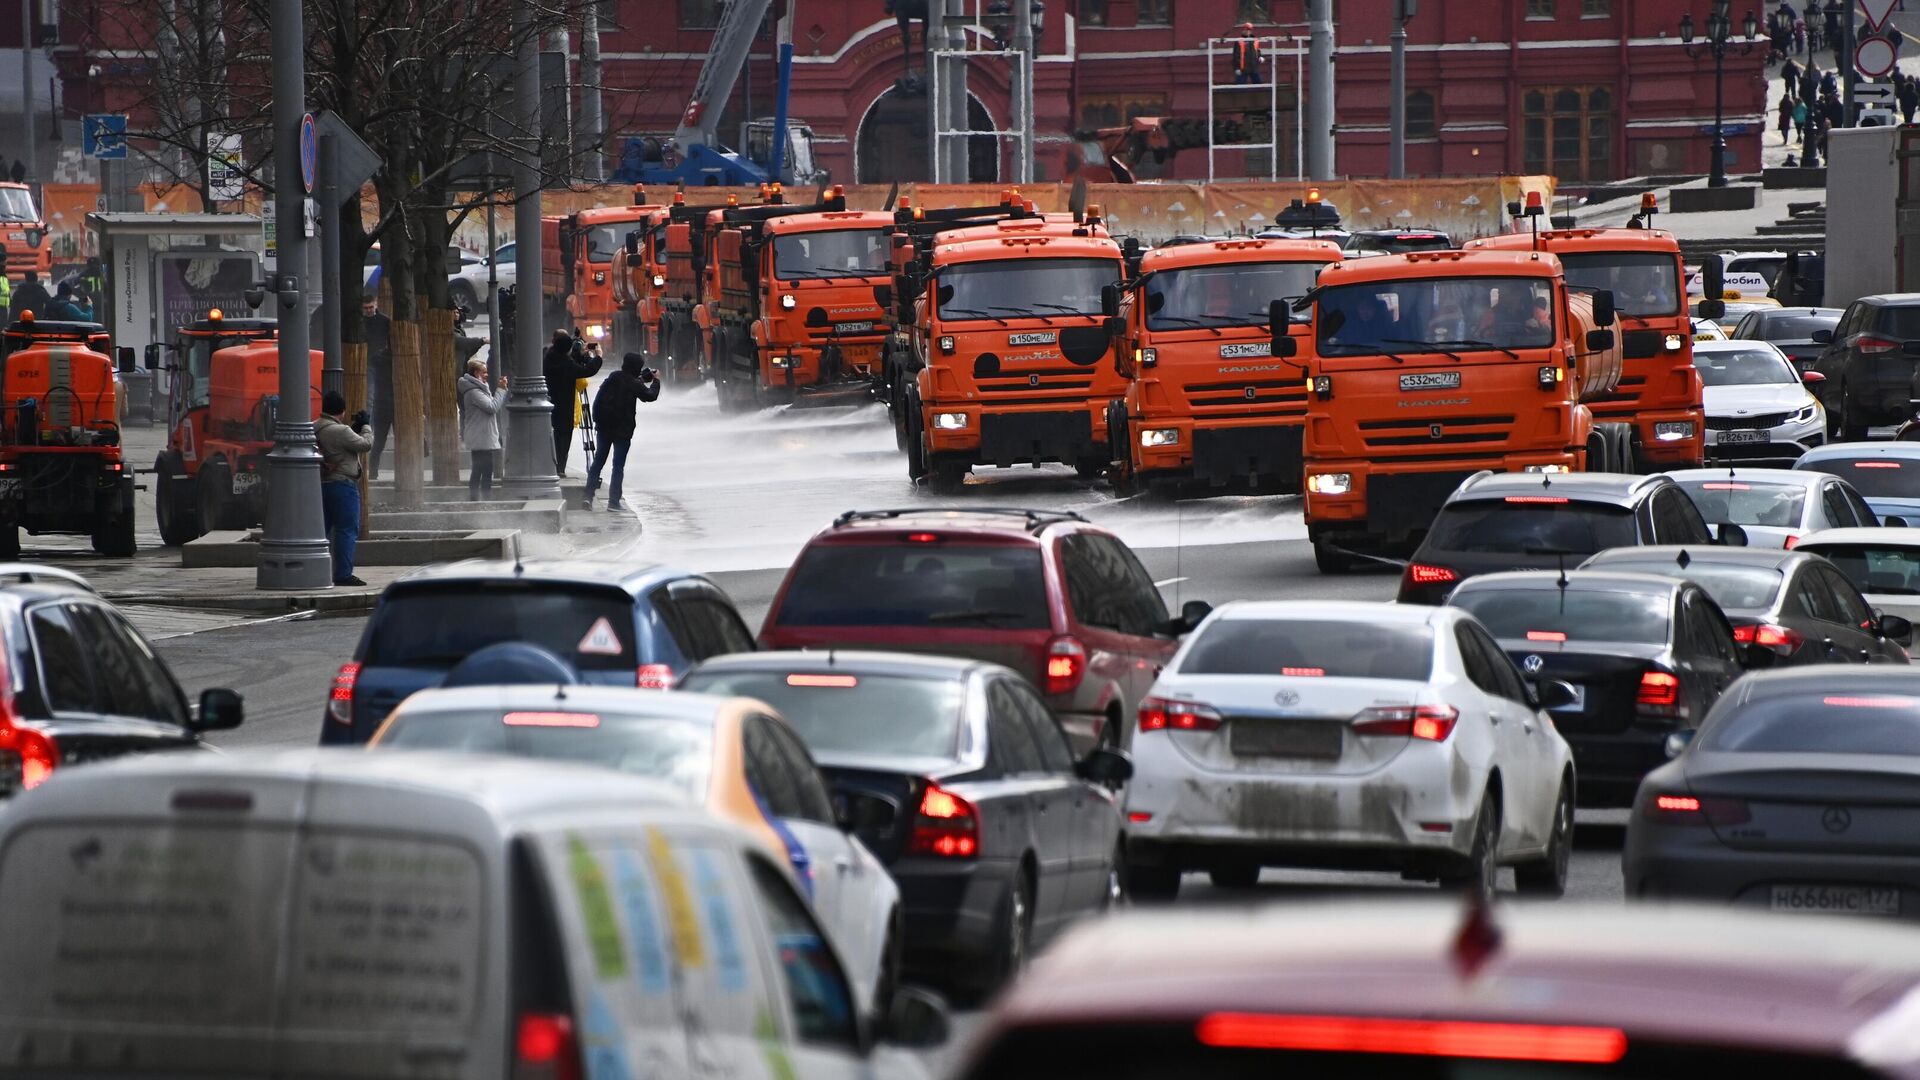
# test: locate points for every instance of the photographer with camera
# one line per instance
(613, 414)
(481, 399)
(340, 450)
(566, 361)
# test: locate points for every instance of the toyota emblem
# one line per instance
(1249, 393)
(1033, 380)
(1433, 430)
(1287, 697)
(1533, 663)
(1836, 819)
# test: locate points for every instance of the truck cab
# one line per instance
(822, 328)
(577, 267)
(61, 468)
(676, 324)
(639, 279)
(1429, 367)
(1206, 397)
(23, 232)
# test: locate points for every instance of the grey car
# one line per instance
(1799, 795)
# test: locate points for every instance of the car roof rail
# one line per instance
(1036, 519)
(29, 573)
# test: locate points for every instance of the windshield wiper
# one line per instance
(1190, 321)
(810, 273)
(1061, 308)
(1454, 356)
(978, 615)
(1475, 343)
(944, 312)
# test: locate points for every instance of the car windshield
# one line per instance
(854, 713)
(603, 241)
(1547, 613)
(1795, 327)
(1743, 367)
(17, 205)
(440, 625)
(674, 749)
(1435, 315)
(1746, 502)
(958, 585)
(1237, 294)
(1837, 721)
(839, 253)
(1875, 568)
(1643, 282)
(1733, 587)
(1025, 288)
(1531, 527)
(1332, 648)
(1874, 477)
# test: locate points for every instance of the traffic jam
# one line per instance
(973, 799)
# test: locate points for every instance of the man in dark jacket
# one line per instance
(613, 410)
(30, 295)
(564, 364)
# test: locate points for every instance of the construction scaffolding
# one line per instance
(1245, 136)
(993, 30)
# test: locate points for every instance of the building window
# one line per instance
(1420, 114)
(1539, 9)
(1113, 110)
(1254, 11)
(1596, 9)
(1569, 132)
(700, 14)
(1155, 13)
(1093, 12)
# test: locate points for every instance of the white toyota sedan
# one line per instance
(1348, 736)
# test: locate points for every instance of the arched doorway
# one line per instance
(892, 144)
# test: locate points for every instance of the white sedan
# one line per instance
(1353, 736)
(1774, 507)
(1757, 403)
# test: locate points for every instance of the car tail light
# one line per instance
(340, 699)
(1874, 345)
(1165, 714)
(654, 677)
(946, 825)
(1781, 639)
(1792, 539)
(1430, 722)
(1413, 1037)
(1422, 574)
(1673, 809)
(544, 1048)
(1066, 665)
(1659, 689)
(1546, 635)
(27, 757)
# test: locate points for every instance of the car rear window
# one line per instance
(440, 625)
(1872, 569)
(1837, 721)
(1745, 502)
(848, 712)
(1551, 614)
(1874, 476)
(914, 583)
(1330, 648)
(1795, 327)
(670, 748)
(1539, 525)
(1747, 588)
(1901, 322)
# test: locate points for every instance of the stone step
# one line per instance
(536, 516)
(416, 548)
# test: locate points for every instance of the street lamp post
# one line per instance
(1719, 29)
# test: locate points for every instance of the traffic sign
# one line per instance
(1876, 12)
(309, 152)
(104, 135)
(226, 172)
(1872, 92)
(1874, 57)
(354, 162)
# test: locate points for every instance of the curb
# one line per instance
(267, 603)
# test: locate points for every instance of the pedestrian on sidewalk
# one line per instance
(1800, 36)
(1786, 120)
(378, 331)
(1790, 76)
(1908, 94)
(340, 450)
(1800, 118)
(566, 361)
(480, 403)
(613, 415)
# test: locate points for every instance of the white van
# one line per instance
(343, 914)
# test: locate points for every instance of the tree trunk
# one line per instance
(409, 410)
(353, 361)
(443, 430)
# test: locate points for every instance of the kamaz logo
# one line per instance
(1253, 348)
(1046, 338)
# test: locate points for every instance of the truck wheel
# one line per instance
(174, 507)
(1090, 468)
(1637, 456)
(1596, 452)
(1329, 560)
(947, 477)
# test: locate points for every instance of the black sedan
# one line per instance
(1646, 656)
(1798, 605)
(1800, 332)
(1801, 794)
(958, 777)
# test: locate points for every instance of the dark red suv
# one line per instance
(1062, 602)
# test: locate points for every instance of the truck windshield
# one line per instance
(1435, 315)
(17, 205)
(1025, 288)
(602, 242)
(840, 253)
(1643, 282)
(1233, 295)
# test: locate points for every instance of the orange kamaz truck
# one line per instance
(1207, 399)
(1428, 367)
(1659, 391)
(676, 313)
(639, 279)
(61, 463)
(577, 268)
(23, 232)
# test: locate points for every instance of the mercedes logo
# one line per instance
(1433, 430)
(1287, 697)
(1533, 663)
(1836, 819)
(1033, 380)
(1249, 393)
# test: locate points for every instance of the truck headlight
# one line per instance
(1673, 431)
(1147, 357)
(1675, 343)
(1331, 483)
(787, 301)
(780, 361)
(596, 331)
(1160, 437)
(946, 343)
(950, 421)
(1806, 414)
(1550, 376)
(1546, 469)
(659, 281)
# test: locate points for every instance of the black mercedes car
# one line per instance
(1646, 656)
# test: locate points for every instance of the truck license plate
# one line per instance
(1731, 438)
(854, 327)
(1837, 899)
(1431, 380)
(246, 481)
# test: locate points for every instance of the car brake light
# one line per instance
(1304, 672)
(1165, 714)
(1066, 664)
(1422, 574)
(550, 719)
(1426, 1038)
(654, 677)
(843, 681)
(923, 538)
(1536, 499)
(1791, 540)
(1430, 722)
(1727, 487)
(1659, 688)
(28, 755)
(544, 1048)
(1876, 464)
(1546, 635)
(1874, 345)
(1781, 639)
(947, 825)
(1688, 810)
(1868, 702)
(340, 699)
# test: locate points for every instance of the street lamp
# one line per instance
(1719, 28)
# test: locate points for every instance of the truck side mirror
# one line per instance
(633, 245)
(1599, 340)
(1713, 281)
(883, 295)
(1110, 300)
(1279, 319)
(123, 357)
(153, 356)
(1603, 309)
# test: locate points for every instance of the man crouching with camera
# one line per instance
(613, 416)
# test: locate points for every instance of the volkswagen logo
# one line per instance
(1249, 393)
(1033, 380)
(1287, 697)
(1836, 819)
(1533, 663)
(1433, 430)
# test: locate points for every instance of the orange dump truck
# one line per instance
(1208, 399)
(576, 257)
(676, 312)
(1659, 391)
(639, 279)
(61, 468)
(1428, 367)
(23, 232)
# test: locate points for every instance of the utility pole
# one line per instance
(592, 138)
(1397, 107)
(530, 465)
(26, 88)
(1023, 90)
(1848, 73)
(293, 547)
(1320, 102)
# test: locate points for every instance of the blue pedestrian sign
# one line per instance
(104, 135)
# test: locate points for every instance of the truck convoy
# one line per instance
(1428, 367)
(61, 468)
(1206, 399)
(638, 281)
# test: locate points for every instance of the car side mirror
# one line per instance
(883, 295)
(1678, 741)
(1192, 614)
(1105, 765)
(1109, 300)
(1603, 308)
(860, 811)
(1812, 377)
(1729, 535)
(1821, 337)
(220, 710)
(1553, 694)
(1895, 628)
(916, 1018)
(1599, 340)
(1756, 657)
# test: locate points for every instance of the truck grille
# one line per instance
(1746, 423)
(1629, 392)
(1268, 396)
(1420, 431)
(1060, 385)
